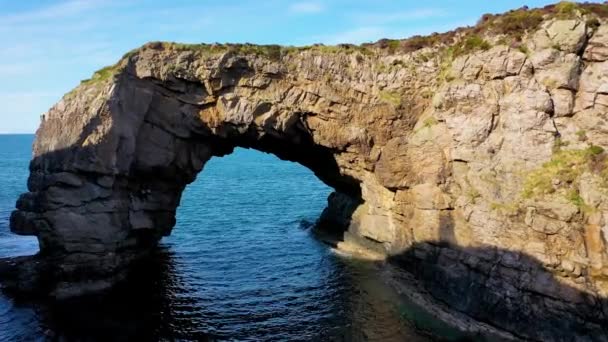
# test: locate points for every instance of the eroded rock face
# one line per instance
(442, 174)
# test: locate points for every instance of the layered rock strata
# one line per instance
(482, 174)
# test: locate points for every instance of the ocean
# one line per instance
(240, 265)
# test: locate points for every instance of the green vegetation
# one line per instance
(506, 208)
(273, 52)
(564, 168)
(270, 51)
(582, 135)
(382, 68)
(130, 53)
(470, 44)
(510, 26)
(598, 9)
(102, 74)
(593, 23)
(561, 173)
(575, 198)
(329, 49)
(396, 64)
(513, 25)
(429, 122)
(391, 44)
(517, 22)
(558, 144)
(419, 42)
(445, 67)
(472, 193)
(390, 97)
(566, 9)
(595, 150)
(524, 49)
(109, 71)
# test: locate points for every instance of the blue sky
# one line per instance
(49, 46)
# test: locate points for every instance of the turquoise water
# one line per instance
(15, 154)
(240, 265)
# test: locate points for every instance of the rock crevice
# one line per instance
(483, 174)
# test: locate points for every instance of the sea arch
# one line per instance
(112, 158)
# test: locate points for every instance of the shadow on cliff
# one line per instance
(505, 289)
(508, 290)
(140, 306)
(481, 284)
(72, 178)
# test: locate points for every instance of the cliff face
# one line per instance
(480, 169)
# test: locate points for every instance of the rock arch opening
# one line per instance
(448, 157)
(103, 194)
(246, 209)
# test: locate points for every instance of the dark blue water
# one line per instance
(241, 264)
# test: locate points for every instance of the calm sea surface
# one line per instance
(241, 265)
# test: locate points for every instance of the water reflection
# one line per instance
(241, 264)
(350, 303)
(142, 308)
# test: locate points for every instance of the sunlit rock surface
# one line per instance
(482, 174)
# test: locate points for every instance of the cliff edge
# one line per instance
(475, 159)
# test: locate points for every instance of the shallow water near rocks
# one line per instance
(241, 264)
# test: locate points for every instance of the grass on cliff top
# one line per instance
(272, 52)
(102, 74)
(513, 24)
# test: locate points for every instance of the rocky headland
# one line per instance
(474, 160)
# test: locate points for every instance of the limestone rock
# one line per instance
(482, 175)
(569, 35)
(597, 47)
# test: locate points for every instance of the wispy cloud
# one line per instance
(60, 10)
(306, 7)
(395, 17)
(354, 36)
(52, 45)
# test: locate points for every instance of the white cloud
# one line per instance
(395, 17)
(355, 36)
(62, 9)
(306, 7)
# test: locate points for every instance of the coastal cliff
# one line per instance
(473, 159)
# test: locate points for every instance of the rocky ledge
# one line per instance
(473, 159)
